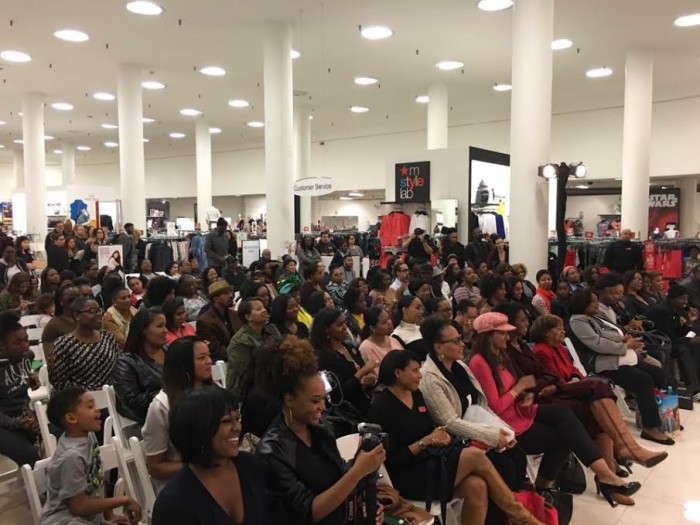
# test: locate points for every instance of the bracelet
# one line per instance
(513, 393)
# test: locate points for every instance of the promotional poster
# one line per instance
(664, 212)
(412, 181)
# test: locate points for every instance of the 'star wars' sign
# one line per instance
(412, 181)
(664, 209)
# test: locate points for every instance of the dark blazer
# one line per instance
(4, 268)
(57, 258)
(211, 327)
(136, 381)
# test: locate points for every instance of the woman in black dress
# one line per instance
(402, 413)
(284, 313)
(219, 485)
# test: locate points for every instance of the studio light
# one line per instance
(548, 171)
(578, 169)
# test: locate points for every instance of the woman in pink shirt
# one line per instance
(376, 335)
(176, 321)
(552, 430)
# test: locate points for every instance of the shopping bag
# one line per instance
(539, 508)
(481, 416)
(669, 413)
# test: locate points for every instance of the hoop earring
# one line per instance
(291, 417)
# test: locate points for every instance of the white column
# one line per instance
(34, 164)
(438, 110)
(690, 212)
(204, 172)
(18, 167)
(68, 164)
(302, 159)
(279, 137)
(530, 131)
(132, 166)
(636, 138)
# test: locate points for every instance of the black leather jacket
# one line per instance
(136, 381)
(286, 481)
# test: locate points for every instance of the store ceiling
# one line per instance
(228, 33)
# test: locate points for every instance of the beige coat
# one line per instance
(446, 409)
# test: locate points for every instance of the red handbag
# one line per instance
(539, 508)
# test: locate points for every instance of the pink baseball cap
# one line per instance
(491, 322)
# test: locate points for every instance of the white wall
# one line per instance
(590, 206)
(366, 211)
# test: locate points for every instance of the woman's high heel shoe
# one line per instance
(614, 494)
(623, 468)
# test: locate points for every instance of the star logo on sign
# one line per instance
(404, 171)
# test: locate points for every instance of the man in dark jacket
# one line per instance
(216, 245)
(673, 319)
(215, 325)
(129, 255)
(624, 255)
(452, 246)
(477, 251)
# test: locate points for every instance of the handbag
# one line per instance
(344, 417)
(398, 510)
(571, 478)
(438, 484)
(562, 502)
(538, 507)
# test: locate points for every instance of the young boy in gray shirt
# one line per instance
(74, 478)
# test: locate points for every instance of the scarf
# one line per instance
(120, 321)
(547, 295)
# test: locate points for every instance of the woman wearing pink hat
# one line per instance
(552, 430)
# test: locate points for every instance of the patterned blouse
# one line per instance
(88, 365)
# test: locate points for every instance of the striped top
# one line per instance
(88, 365)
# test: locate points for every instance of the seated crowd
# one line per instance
(428, 353)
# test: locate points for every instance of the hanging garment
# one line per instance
(421, 220)
(394, 225)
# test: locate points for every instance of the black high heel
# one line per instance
(607, 490)
(623, 468)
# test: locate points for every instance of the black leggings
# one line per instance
(641, 380)
(555, 432)
(16, 446)
(511, 464)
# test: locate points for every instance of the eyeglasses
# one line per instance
(92, 311)
(456, 340)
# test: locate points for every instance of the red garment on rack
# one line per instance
(570, 257)
(394, 225)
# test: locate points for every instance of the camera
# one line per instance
(371, 436)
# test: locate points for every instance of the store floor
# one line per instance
(670, 493)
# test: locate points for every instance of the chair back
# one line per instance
(34, 335)
(35, 486)
(145, 483)
(348, 445)
(29, 321)
(218, 373)
(47, 437)
(574, 356)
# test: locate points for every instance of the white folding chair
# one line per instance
(119, 422)
(145, 483)
(29, 321)
(124, 456)
(44, 391)
(218, 373)
(619, 391)
(35, 485)
(8, 470)
(38, 351)
(34, 335)
(47, 437)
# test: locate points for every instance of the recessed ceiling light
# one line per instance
(494, 5)
(143, 7)
(153, 85)
(365, 81)
(502, 87)
(214, 131)
(71, 35)
(104, 96)
(344, 198)
(2, 122)
(146, 140)
(177, 135)
(15, 56)
(688, 20)
(294, 54)
(48, 137)
(255, 124)
(561, 43)
(449, 65)
(20, 113)
(62, 106)
(83, 148)
(422, 99)
(359, 109)
(110, 126)
(18, 141)
(190, 112)
(599, 72)
(57, 151)
(2, 146)
(111, 144)
(213, 71)
(356, 194)
(376, 32)
(147, 120)
(238, 103)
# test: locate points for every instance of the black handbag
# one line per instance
(438, 483)
(344, 417)
(571, 478)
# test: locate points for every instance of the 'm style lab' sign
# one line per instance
(412, 181)
(315, 186)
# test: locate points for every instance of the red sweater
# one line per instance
(504, 405)
(556, 360)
